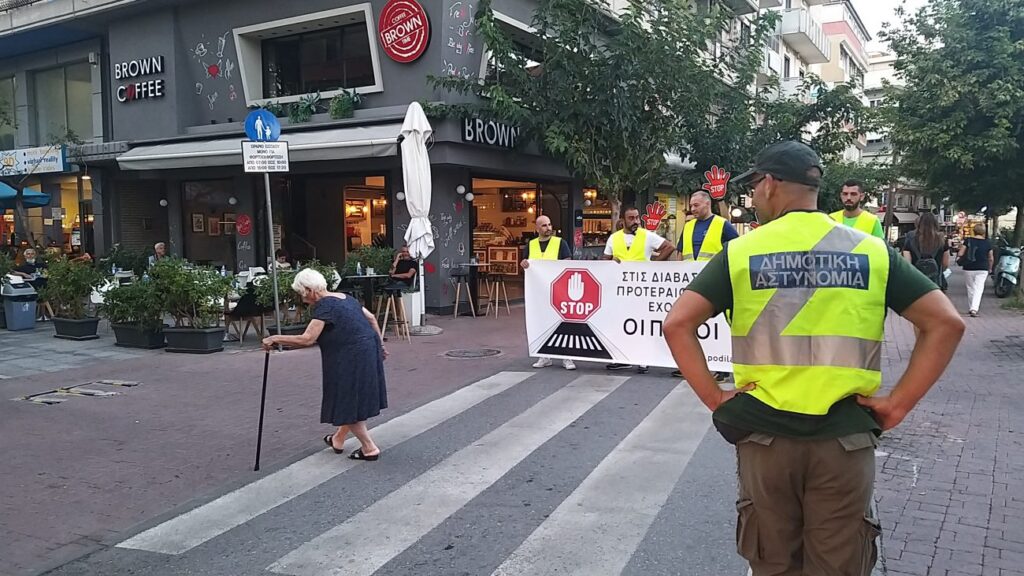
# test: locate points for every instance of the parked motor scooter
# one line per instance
(1007, 268)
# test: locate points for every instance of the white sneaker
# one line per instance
(542, 363)
(569, 364)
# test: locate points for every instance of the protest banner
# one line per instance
(603, 311)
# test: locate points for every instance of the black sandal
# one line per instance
(358, 455)
(330, 442)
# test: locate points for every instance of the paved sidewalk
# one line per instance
(948, 483)
(74, 475)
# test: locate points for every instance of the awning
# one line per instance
(336, 144)
(905, 217)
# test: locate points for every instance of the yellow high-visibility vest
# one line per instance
(865, 221)
(635, 252)
(712, 240)
(808, 311)
(554, 245)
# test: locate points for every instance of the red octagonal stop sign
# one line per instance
(576, 295)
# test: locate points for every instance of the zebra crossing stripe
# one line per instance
(191, 529)
(397, 521)
(599, 526)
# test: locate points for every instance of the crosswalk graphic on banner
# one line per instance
(595, 527)
(575, 339)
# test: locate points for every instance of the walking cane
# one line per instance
(263, 403)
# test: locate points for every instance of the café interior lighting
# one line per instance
(737, 212)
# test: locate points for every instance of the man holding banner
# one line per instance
(808, 297)
(635, 244)
(547, 246)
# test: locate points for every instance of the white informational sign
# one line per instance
(265, 156)
(47, 159)
(603, 311)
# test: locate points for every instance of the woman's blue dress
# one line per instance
(353, 363)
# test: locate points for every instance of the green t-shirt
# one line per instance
(744, 413)
(876, 231)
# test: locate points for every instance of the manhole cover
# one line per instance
(472, 353)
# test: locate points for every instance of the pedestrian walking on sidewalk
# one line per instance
(977, 258)
(352, 354)
(808, 298)
(925, 248)
(635, 244)
(547, 246)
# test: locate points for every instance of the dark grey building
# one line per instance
(158, 91)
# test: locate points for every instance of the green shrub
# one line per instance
(304, 109)
(344, 104)
(138, 304)
(126, 259)
(6, 264)
(68, 287)
(192, 295)
(379, 259)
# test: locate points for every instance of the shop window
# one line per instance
(323, 52)
(63, 103)
(317, 61)
(7, 113)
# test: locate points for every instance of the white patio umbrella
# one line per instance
(416, 174)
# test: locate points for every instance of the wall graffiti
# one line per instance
(217, 66)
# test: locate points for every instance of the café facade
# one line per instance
(158, 92)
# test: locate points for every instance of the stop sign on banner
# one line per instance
(575, 295)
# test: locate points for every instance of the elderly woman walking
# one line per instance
(352, 353)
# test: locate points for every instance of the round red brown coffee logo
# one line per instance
(404, 30)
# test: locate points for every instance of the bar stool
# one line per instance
(394, 309)
(460, 278)
(499, 292)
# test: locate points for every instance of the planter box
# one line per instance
(68, 329)
(131, 336)
(195, 340)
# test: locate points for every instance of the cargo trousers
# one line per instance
(804, 505)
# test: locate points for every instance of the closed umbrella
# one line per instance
(416, 175)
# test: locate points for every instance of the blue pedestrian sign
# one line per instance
(262, 126)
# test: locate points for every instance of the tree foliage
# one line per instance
(958, 123)
(612, 95)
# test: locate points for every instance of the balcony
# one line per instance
(741, 7)
(771, 67)
(771, 3)
(805, 36)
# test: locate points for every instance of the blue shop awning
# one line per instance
(335, 144)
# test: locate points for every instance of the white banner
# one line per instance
(603, 311)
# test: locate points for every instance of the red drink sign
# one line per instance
(404, 30)
(243, 224)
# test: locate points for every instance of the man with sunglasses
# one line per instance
(808, 299)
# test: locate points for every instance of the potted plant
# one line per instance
(6, 265)
(344, 104)
(379, 259)
(304, 109)
(135, 313)
(68, 287)
(193, 296)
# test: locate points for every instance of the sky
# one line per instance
(876, 12)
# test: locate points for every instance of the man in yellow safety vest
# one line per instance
(853, 215)
(707, 233)
(808, 299)
(635, 244)
(547, 246)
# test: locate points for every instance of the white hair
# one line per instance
(158, 245)
(309, 281)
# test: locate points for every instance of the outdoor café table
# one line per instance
(366, 281)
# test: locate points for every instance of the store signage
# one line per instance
(265, 156)
(243, 224)
(33, 160)
(718, 182)
(129, 91)
(490, 133)
(604, 311)
(404, 30)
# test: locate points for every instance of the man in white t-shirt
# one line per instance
(635, 244)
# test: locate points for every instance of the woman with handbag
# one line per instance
(976, 258)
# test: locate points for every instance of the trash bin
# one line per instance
(19, 306)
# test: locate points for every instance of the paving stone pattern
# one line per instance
(949, 477)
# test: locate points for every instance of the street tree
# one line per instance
(609, 95)
(958, 123)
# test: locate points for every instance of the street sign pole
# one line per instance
(273, 259)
